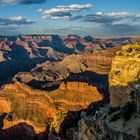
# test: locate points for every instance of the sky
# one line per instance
(82, 17)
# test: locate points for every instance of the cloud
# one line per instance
(5, 2)
(108, 18)
(63, 11)
(18, 20)
(59, 15)
(115, 23)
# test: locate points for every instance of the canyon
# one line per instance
(69, 87)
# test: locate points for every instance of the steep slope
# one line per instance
(125, 71)
(49, 74)
(40, 109)
(119, 120)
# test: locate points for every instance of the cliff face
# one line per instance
(119, 120)
(73, 67)
(101, 126)
(40, 109)
(77, 86)
(125, 71)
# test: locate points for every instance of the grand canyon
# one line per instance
(69, 70)
(54, 87)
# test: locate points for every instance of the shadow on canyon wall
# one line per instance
(19, 62)
(92, 78)
(57, 44)
(23, 131)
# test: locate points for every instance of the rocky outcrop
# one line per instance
(77, 86)
(104, 126)
(40, 109)
(124, 73)
(119, 120)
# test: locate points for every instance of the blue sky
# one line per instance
(82, 17)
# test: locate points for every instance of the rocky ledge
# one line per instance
(39, 109)
(119, 120)
(124, 75)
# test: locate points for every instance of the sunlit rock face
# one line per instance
(1, 57)
(5, 106)
(125, 74)
(25, 106)
(119, 120)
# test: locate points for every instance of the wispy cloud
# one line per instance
(63, 11)
(107, 18)
(17, 20)
(5, 2)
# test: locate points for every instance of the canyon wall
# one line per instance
(40, 109)
(125, 75)
(119, 120)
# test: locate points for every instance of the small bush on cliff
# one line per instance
(115, 117)
(113, 109)
(125, 112)
(129, 50)
(128, 110)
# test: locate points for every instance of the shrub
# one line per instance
(128, 110)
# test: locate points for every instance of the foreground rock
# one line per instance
(40, 109)
(125, 74)
(119, 120)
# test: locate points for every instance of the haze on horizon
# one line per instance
(82, 17)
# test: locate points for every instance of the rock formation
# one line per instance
(77, 86)
(77, 68)
(125, 71)
(119, 120)
(98, 62)
(22, 53)
(39, 108)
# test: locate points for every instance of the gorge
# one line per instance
(69, 87)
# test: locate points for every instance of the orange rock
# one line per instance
(5, 106)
